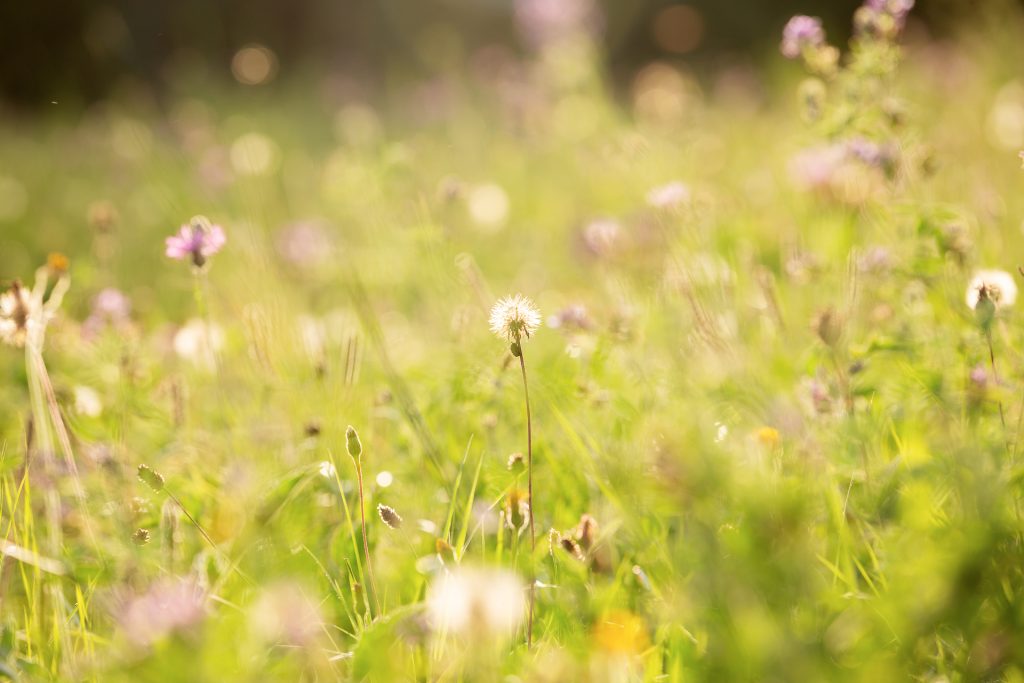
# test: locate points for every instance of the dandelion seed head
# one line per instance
(996, 286)
(514, 317)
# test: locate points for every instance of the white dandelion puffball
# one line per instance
(998, 286)
(477, 602)
(514, 317)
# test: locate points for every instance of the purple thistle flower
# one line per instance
(198, 240)
(801, 32)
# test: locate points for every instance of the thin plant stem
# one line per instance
(995, 375)
(366, 544)
(529, 493)
(200, 290)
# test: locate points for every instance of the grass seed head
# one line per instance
(389, 516)
(151, 478)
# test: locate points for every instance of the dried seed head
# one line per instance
(570, 546)
(352, 442)
(516, 463)
(389, 516)
(554, 540)
(15, 313)
(586, 531)
(140, 536)
(828, 326)
(151, 478)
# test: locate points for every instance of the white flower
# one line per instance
(477, 602)
(88, 401)
(997, 285)
(669, 195)
(514, 317)
(199, 343)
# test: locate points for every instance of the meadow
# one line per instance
(255, 424)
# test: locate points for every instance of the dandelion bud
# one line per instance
(352, 442)
(388, 515)
(151, 478)
(516, 463)
(140, 536)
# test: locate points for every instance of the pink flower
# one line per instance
(169, 606)
(669, 195)
(198, 240)
(801, 32)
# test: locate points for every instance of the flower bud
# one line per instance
(352, 443)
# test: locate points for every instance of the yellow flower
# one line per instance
(769, 436)
(620, 632)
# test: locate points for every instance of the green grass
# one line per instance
(771, 414)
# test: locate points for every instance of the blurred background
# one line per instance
(74, 52)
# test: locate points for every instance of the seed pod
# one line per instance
(389, 516)
(570, 546)
(516, 349)
(352, 443)
(140, 536)
(151, 478)
(517, 509)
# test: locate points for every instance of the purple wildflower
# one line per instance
(111, 307)
(198, 240)
(543, 22)
(669, 195)
(168, 606)
(869, 152)
(801, 32)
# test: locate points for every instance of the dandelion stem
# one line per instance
(366, 545)
(995, 375)
(529, 493)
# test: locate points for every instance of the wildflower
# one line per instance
(169, 606)
(87, 401)
(15, 314)
(601, 236)
(995, 286)
(198, 341)
(543, 22)
(514, 317)
(572, 317)
(109, 307)
(768, 436)
(197, 240)
(669, 195)
(388, 515)
(57, 263)
(800, 33)
(284, 614)
(620, 632)
(476, 602)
